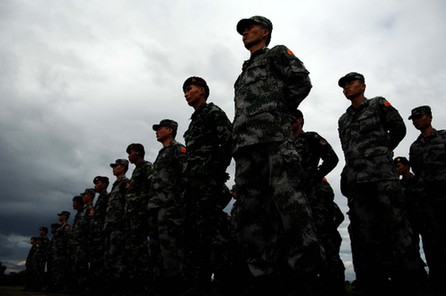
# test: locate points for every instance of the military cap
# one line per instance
(101, 179)
(166, 122)
(401, 159)
(257, 19)
(117, 162)
(43, 228)
(420, 111)
(198, 81)
(350, 77)
(136, 147)
(64, 213)
(89, 191)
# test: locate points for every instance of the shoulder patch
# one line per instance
(183, 149)
(387, 103)
(290, 52)
(67, 227)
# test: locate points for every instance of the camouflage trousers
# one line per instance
(274, 220)
(114, 248)
(165, 241)
(381, 238)
(205, 233)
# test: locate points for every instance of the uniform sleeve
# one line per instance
(224, 135)
(328, 157)
(393, 123)
(294, 74)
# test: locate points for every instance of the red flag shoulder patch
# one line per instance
(183, 150)
(290, 52)
(387, 103)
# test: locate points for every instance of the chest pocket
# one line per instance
(368, 122)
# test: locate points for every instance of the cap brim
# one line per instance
(113, 165)
(243, 24)
(155, 127)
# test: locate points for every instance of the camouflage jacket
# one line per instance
(368, 136)
(61, 241)
(82, 224)
(312, 148)
(137, 196)
(167, 175)
(114, 215)
(100, 209)
(273, 82)
(208, 143)
(427, 158)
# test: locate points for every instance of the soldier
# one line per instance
(114, 231)
(268, 175)
(49, 267)
(44, 249)
(166, 211)
(318, 159)
(31, 265)
(428, 160)
(208, 142)
(380, 234)
(136, 214)
(61, 262)
(79, 245)
(97, 233)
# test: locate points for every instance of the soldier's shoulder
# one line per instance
(283, 51)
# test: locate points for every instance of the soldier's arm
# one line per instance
(328, 157)
(294, 74)
(393, 123)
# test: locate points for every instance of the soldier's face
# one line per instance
(162, 133)
(133, 156)
(99, 186)
(254, 35)
(118, 170)
(353, 89)
(421, 122)
(194, 96)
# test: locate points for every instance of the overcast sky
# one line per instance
(80, 80)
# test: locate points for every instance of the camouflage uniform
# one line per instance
(80, 245)
(428, 160)
(32, 265)
(208, 143)
(114, 232)
(136, 215)
(313, 148)
(274, 217)
(166, 215)
(61, 260)
(97, 240)
(381, 238)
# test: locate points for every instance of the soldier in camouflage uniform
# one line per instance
(136, 214)
(208, 142)
(97, 233)
(274, 217)
(44, 249)
(114, 231)
(80, 242)
(49, 267)
(61, 260)
(380, 234)
(166, 211)
(32, 265)
(428, 160)
(318, 159)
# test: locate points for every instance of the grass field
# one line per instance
(10, 290)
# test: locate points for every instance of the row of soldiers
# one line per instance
(164, 230)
